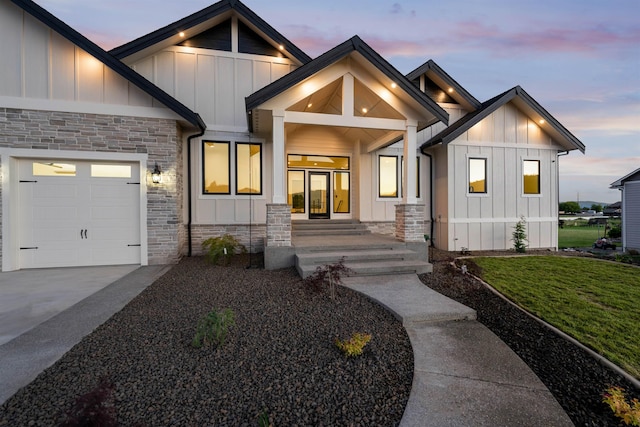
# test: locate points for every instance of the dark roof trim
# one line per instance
(93, 49)
(354, 44)
(458, 128)
(205, 14)
(431, 65)
(629, 177)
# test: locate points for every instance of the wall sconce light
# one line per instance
(156, 175)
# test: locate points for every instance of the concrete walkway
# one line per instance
(464, 375)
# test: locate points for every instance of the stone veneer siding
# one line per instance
(278, 225)
(159, 138)
(410, 223)
(387, 228)
(200, 233)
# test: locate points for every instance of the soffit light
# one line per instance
(181, 34)
(450, 90)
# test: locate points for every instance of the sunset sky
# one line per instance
(580, 59)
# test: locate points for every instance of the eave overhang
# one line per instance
(444, 82)
(188, 117)
(202, 20)
(524, 102)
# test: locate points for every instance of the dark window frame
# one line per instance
(524, 188)
(237, 168)
(204, 144)
(486, 181)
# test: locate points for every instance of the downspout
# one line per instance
(560, 153)
(189, 187)
(430, 197)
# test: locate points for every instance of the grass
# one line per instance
(597, 303)
(576, 234)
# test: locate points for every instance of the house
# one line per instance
(614, 209)
(218, 124)
(629, 186)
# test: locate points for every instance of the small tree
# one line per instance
(520, 236)
(596, 207)
(330, 274)
(220, 249)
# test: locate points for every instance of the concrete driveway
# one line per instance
(45, 312)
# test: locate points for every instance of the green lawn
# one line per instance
(577, 234)
(596, 302)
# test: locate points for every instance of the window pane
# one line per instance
(388, 176)
(531, 169)
(341, 192)
(53, 169)
(295, 191)
(216, 168)
(248, 169)
(111, 171)
(477, 175)
(317, 162)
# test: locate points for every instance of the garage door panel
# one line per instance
(78, 220)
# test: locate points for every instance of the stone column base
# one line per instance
(410, 223)
(278, 225)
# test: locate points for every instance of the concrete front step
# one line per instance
(328, 227)
(381, 260)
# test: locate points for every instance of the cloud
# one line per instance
(587, 40)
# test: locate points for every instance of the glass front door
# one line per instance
(318, 195)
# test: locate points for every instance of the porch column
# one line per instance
(279, 188)
(410, 167)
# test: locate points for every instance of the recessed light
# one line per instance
(541, 121)
(394, 85)
(364, 110)
(309, 105)
(281, 47)
(450, 90)
(181, 34)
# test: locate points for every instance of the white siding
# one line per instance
(214, 83)
(631, 215)
(42, 70)
(485, 221)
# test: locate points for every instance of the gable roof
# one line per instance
(445, 81)
(101, 55)
(354, 44)
(524, 102)
(629, 177)
(201, 17)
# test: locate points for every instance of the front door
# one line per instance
(318, 195)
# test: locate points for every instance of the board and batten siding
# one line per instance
(213, 83)
(43, 70)
(505, 139)
(631, 215)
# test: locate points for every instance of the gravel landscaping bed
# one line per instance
(575, 378)
(279, 361)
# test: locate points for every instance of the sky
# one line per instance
(580, 59)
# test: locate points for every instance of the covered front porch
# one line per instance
(328, 123)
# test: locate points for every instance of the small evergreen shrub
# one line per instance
(629, 413)
(220, 249)
(615, 232)
(93, 408)
(213, 328)
(520, 236)
(355, 345)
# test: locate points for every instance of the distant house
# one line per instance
(614, 209)
(218, 124)
(629, 185)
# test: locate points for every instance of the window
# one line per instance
(341, 192)
(477, 175)
(110, 171)
(295, 191)
(53, 169)
(248, 168)
(216, 168)
(388, 176)
(317, 162)
(531, 176)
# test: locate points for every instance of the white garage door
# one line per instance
(78, 213)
